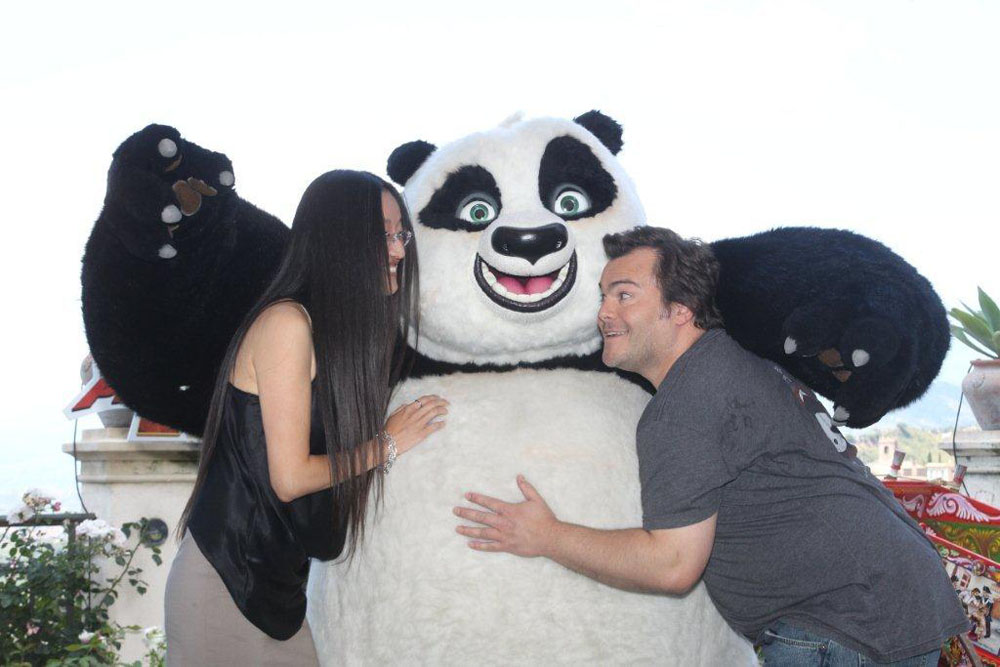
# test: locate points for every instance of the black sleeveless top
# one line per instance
(259, 545)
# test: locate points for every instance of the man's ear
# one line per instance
(681, 313)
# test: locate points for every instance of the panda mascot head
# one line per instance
(509, 225)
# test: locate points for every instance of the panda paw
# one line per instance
(855, 353)
(838, 344)
(161, 181)
(859, 356)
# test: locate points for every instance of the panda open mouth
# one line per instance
(525, 294)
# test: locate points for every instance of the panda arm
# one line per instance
(841, 312)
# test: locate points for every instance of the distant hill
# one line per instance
(934, 411)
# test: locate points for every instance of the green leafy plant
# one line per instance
(979, 329)
(59, 576)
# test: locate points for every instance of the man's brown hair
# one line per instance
(687, 271)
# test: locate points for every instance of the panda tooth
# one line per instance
(487, 274)
(563, 272)
(556, 284)
(500, 289)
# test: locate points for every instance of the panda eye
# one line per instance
(570, 202)
(478, 209)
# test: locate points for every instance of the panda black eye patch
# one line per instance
(442, 210)
(568, 162)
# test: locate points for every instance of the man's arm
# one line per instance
(662, 561)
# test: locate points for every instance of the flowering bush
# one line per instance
(54, 600)
(33, 502)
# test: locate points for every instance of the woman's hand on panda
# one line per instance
(411, 423)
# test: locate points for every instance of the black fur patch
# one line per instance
(421, 366)
(442, 210)
(406, 159)
(605, 128)
(569, 163)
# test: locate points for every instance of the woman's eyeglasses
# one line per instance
(403, 237)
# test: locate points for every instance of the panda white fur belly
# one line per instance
(508, 224)
(416, 594)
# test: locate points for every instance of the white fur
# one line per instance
(416, 594)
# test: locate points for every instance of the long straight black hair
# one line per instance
(336, 264)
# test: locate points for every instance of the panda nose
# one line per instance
(530, 243)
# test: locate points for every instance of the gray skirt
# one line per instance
(205, 627)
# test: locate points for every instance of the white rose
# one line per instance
(21, 514)
(85, 637)
(39, 498)
(93, 528)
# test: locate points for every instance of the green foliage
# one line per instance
(919, 444)
(979, 328)
(55, 595)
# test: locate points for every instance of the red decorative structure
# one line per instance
(965, 521)
(98, 397)
(966, 533)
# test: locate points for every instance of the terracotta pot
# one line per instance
(982, 390)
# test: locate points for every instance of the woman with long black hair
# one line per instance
(295, 441)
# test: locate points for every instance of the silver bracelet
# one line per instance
(391, 452)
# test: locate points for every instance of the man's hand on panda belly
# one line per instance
(523, 529)
(650, 561)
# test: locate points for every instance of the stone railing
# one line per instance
(979, 452)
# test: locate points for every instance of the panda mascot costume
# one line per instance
(509, 225)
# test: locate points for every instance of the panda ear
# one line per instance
(604, 128)
(406, 159)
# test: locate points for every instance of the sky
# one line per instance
(878, 117)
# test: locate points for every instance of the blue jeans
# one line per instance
(784, 645)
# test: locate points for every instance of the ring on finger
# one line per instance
(419, 404)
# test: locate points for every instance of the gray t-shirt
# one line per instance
(804, 532)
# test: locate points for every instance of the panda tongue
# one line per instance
(525, 285)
